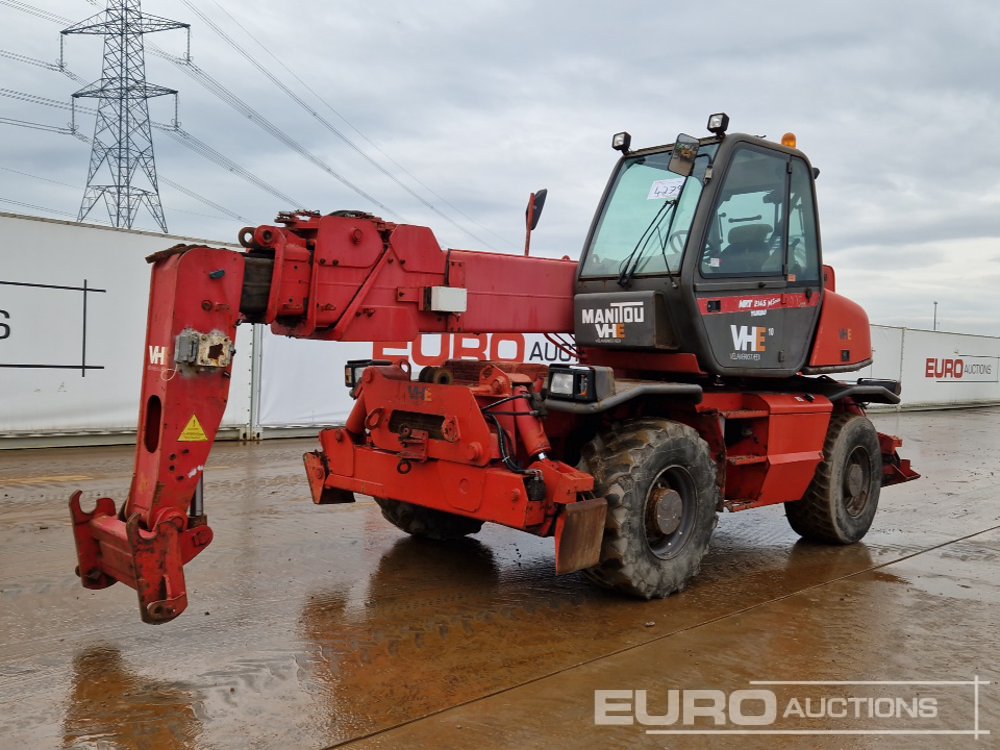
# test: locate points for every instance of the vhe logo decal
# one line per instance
(610, 321)
(157, 355)
(419, 392)
(749, 341)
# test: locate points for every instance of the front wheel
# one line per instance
(659, 481)
(840, 504)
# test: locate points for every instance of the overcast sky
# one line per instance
(483, 102)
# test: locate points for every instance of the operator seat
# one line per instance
(748, 249)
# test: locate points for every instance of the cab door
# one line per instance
(757, 286)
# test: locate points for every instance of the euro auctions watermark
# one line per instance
(802, 707)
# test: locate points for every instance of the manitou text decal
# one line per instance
(610, 321)
(749, 341)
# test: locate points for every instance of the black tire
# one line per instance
(634, 469)
(840, 504)
(427, 522)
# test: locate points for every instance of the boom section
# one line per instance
(358, 278)
(347, 277)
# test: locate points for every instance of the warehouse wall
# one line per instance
(302, 382)
(938, 368)
(73, 302)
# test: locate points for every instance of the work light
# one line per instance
(355, 368)
(579, 383)
(718, 123)
(621, 142)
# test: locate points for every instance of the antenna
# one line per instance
(123, 140)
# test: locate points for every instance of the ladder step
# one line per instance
(745, 459)
(745, 413)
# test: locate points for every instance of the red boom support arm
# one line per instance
(348, 277)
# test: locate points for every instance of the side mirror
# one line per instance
(532, 214)
(534, 210)
(683, 155)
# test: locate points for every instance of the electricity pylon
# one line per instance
(123, 140)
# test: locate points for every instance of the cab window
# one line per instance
(803, 240)
(645, 221)
(746, 233)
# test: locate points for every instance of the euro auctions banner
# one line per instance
(937, 368)
(302, 382)
(949, 368)
(968, 368)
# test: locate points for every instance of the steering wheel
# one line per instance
(677, 241)
(597, 264)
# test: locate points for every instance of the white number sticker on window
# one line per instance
(668, 189)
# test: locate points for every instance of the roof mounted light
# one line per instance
(718, 123)
(621, 141)
(789, 140)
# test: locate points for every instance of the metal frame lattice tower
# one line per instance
(123, 140)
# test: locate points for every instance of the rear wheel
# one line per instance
(659, 481)
(840, 504)
(427, 522)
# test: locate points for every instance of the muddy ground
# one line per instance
(315, 627)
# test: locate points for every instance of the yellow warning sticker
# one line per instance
(193, 432)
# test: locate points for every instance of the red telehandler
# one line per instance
(706, 329)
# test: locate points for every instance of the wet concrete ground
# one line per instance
(312, 627)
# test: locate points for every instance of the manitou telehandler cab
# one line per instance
(706, 330)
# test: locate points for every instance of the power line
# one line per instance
(46, 209)
(203, 199)
(40, 63)
(175, 185)
(260, 44)
(36, 126)
(37, 177)
(320, 119)
(30, 60)
(178, 134)
(35, 99)
(221, 92)
(187, 139)
(201, 148)
(34, 11)
(71, 215)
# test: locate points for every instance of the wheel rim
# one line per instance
(856, 485)
(669, 511)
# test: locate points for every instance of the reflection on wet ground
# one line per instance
(111, 705)
(311, 627)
